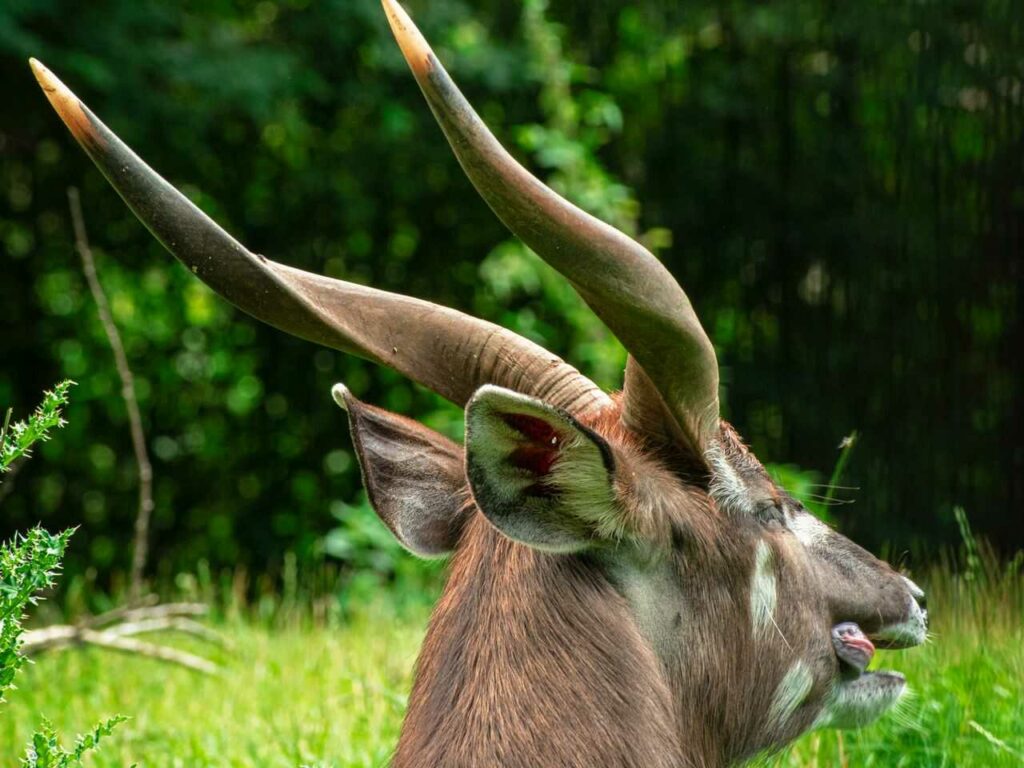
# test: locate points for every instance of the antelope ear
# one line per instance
(540, 477)
(414, 476)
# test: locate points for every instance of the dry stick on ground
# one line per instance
(141, 548)
(172, 617)
(148, 611)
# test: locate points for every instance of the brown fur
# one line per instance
(531, 659)
(539, 659)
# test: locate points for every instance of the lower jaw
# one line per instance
(860, 701)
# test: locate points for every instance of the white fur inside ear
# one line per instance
(493, 440)
(560, 506)
(586, 486)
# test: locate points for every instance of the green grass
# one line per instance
(308, 695)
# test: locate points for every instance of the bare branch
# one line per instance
(68, 635)
(117, 614)
(35, 641)
(140, 550)
(146, 612)
(168, 624)
(161, 652)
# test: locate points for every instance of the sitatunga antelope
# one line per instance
(628, 586)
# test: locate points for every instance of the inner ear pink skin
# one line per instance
(539, 454)
(532, 428)
(535, 459)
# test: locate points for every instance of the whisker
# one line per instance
(903, 713)
(779, 630)
(826, 500)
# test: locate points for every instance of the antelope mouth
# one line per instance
(860, 697)
(913, 630)
(905, 634)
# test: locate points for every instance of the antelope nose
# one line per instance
(917, 593)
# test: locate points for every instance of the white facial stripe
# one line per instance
(727, 488)
(790, 694)
(763, 590)
(808, 529)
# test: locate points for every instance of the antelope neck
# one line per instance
(533, 659)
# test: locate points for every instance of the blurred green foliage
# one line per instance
(839, 187)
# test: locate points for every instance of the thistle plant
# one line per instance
(29, 564)
(16, 439)
(46, 750)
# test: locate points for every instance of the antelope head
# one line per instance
(628, 584)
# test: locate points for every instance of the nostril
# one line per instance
(916, 592)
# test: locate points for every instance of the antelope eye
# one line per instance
(770, 514)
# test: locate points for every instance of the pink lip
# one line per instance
(861, 643)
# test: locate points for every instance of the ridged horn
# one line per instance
(625, 285)
(445, 350)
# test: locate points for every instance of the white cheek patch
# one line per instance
(763, 590)
(808, 529)
(790, 694)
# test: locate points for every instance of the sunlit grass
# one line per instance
(334, 696)
(286, 697)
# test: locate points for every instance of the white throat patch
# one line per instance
(790, 694)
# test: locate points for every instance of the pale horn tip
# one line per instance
(414, 46)
(65, 103)
(46, 79)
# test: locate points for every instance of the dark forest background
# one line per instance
(838, 186)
